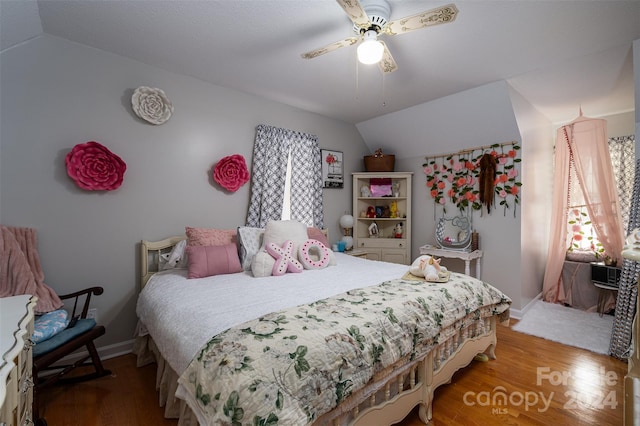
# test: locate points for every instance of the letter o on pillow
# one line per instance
(313, 255)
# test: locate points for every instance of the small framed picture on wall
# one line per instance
(332, 171)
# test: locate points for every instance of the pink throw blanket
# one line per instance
(20, 269)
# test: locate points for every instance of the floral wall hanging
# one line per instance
(94, 168)
(231, 172)
(151, 104)
(475, 177)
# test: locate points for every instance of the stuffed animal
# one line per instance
(428, 267)
(393, 209)
(431, 270)
(397, 230)
(365, 192)
(371, 211)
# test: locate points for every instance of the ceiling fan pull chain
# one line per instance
(384, 92)
(357, 80)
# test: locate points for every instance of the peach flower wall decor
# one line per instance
(94, 168)
(231, 172)
(455, 178)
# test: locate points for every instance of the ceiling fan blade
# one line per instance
(439, 15)
(387, 64)
(331, 47)
(356, 13)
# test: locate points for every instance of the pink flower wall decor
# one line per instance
(231, 172)
(94, 168)
(454, 178)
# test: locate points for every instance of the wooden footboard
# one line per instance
(415, 386)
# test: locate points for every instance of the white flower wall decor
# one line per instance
(151, 104)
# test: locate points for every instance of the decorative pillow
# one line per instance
(249, 243)
(313, 254)
(177, 259)
(210, 237)
(317, 234)
(286, 258)
(205, 261)
(262, 264)
(581, 256)
(279, 231)
(49, 324)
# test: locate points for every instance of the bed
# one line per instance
(357, 343)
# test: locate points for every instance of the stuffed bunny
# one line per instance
(428, 267)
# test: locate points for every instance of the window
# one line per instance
(582, 235)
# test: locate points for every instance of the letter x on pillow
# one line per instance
(285, 258)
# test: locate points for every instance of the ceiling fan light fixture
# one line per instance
(370, 50)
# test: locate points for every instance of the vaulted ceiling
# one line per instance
(559, 55)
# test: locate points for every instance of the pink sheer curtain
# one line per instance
(584, 141)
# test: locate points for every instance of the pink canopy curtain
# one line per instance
(582, 144)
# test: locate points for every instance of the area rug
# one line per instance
(569, 326)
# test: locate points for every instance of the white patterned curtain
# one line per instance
(622, 152)
(272, 150)
(623, 155)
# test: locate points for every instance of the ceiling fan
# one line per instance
(371, 19)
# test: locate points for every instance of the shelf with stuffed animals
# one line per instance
(382, 212)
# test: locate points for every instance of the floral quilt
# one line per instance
(292, 366)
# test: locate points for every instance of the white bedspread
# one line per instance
(176, 321)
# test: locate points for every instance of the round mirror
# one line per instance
(454, 233)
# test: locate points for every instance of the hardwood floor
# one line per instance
(532, 382)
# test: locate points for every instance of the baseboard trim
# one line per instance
(519, 313)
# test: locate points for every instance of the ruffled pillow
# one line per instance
(209, 236)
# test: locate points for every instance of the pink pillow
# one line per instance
(210, 237)
(317, 234)
(205, 261)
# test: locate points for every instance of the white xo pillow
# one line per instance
(277, 232)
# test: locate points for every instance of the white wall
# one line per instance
(476, 117)
(56, 94)
(537, 173)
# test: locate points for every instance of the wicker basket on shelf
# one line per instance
(379, 162)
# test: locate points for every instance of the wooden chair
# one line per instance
(81, 332)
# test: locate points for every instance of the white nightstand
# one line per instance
(467, 256)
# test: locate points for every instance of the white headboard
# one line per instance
(150, 252)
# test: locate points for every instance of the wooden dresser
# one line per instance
(16, 381)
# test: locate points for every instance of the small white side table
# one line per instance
(467, 256)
